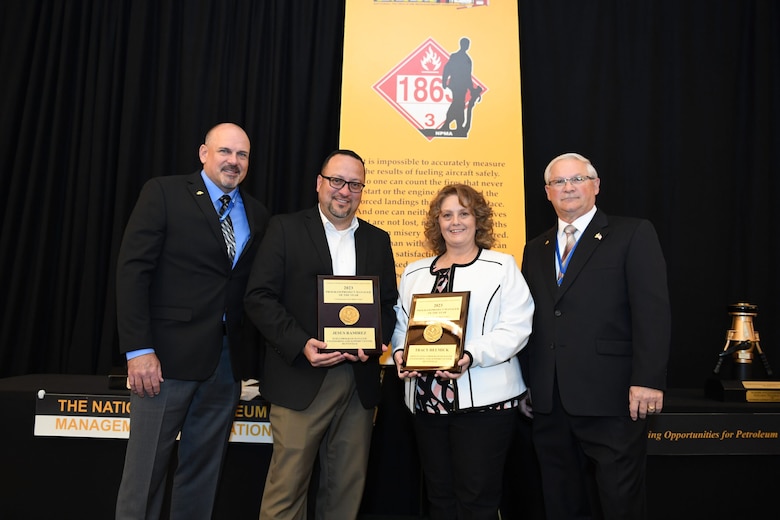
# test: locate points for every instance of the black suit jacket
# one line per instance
(281, 299)
(607, 326)
(175, 282)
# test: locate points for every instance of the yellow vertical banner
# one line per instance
(431, 96)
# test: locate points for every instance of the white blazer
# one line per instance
(498, 325)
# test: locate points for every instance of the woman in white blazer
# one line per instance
(464, 421)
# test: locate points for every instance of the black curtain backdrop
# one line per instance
(676, 103)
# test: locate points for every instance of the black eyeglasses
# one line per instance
(575, 181)
(337, 183)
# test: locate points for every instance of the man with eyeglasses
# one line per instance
(321, 402)
(598, 353)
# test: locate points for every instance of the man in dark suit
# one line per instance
(320, 401)
(598, 352)
(180, 294)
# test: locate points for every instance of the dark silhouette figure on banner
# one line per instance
(456, 76)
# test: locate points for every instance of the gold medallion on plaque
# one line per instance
(349, 315)
(432, 332)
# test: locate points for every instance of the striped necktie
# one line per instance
(227, 228)
(570, 241)
(569, 231)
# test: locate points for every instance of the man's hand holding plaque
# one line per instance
(435, 332)
(348, 314)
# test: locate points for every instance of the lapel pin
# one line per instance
(546, 242)
(198, 192)
(598, 236)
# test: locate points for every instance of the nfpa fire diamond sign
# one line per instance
(435, 90)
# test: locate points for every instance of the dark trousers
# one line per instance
(463, 456)
(592, 467)
(203, 412)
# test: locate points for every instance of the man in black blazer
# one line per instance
(181, 326)
(319, 401)
(598, 352)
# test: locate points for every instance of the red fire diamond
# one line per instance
(415, 89)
